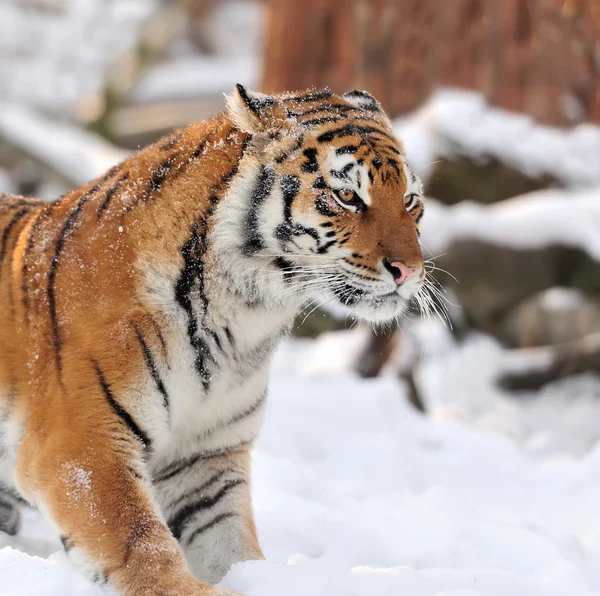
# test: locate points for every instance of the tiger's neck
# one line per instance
(199, 227)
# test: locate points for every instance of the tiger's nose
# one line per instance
(400, 272)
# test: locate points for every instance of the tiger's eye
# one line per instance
(409, 199)
(346, 195)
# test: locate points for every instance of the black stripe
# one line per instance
(326, 247)
(26, 253)
(171, 142)
(256, 104)
(321, 120)
(198, 151)
(312, 96)
(120, 410)
(283, 156)
(199, 490)
(322, 207)
(180, 520)
(286, 267)
(67, 229)
(177, 467)
(343, 173)
(347, 294)
(161, 339)
(420, 216)
(349, 130)
(359, 93)
(230, 337)
(395, 150)
(110, 193)
(240, 415)
(347, 149)
(320, 183)
(9, 202)
(216, 339)
(152, 367)
(67, 543)
(394, 164)
(370, 104)
(311, 165)
(290, 187)
(221, 517)
(336, 108)
(7, 230)
(191, 272)
(158, 175)
(264, 184)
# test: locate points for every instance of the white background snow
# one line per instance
(358, 495)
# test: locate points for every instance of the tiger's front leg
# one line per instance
(87, 473)
(206, 502)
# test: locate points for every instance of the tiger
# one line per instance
(139, 314)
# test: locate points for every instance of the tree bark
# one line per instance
(540, 57)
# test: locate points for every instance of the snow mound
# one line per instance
(457, 121)
(25, 574)
(357, 495)
(535, 220)
(78, 155)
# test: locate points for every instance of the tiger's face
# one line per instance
(333, 209)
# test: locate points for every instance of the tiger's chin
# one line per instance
(373, 309)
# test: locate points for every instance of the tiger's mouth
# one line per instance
(369, 305)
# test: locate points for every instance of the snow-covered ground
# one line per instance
(358, 495)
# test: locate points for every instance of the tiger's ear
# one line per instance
(257, 113)
(362, 100)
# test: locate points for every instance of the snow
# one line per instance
(196, 76)
(37, 40)
(535, 220)
(232, 32)
(458, 383)
(6, 183)
(457, 121)
(356, 494)
(78, 155)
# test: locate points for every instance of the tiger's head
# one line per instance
(325, 204)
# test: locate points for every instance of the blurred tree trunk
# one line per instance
(540, 57)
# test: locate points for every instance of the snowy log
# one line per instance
(78, 156)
